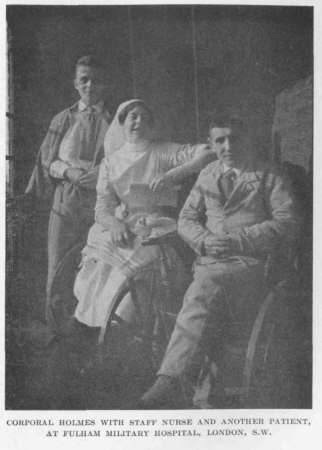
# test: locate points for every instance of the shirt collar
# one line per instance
(98, 107)
(225, 169)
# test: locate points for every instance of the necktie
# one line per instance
(228, 182)
(88, 117)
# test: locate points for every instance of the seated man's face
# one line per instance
(231, 145)
(90, 84)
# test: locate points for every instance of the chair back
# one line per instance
(297, 257)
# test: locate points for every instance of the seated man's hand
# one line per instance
(161, 182)
(120, 233)
(221, 246)
(89, 179)
(73, 175)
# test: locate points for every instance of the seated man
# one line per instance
(239, 210)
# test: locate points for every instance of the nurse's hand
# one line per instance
(161, 182)
(120, 234)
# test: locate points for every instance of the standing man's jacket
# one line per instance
(42, 184)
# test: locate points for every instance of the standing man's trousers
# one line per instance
(71, 217)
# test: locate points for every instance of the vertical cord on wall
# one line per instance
(10, 182)
(194, 50)
(131, 51)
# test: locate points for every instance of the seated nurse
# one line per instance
(136, 192)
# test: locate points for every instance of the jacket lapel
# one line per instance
(244, 185)
(99, 147)
(215, 188)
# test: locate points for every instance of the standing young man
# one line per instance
(67, 166)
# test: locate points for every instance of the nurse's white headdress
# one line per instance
(114, 138)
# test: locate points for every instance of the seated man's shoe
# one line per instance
(166, 393)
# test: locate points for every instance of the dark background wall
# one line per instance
(185, 61)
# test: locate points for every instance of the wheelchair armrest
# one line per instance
(165, 238)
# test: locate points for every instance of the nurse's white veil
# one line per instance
(114, 138)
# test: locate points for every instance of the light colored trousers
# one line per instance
(71, 216)
(222, 297)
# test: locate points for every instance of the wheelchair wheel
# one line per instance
(125, 316)
(116, 365)
(63, 304)
(122, 360)
(271, 375)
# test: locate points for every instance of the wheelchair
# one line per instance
(268, 367)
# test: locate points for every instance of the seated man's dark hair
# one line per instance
(227, 120)
(90, 61)
(127, 109)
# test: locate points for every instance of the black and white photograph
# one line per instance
(159, 208)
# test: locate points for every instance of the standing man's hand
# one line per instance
(89, 179)
(73, 175)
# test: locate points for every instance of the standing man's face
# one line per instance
(231, 145)
(90, 84)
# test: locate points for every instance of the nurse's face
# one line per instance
(137, 124)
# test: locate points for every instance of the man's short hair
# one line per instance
(227, 120)
(90, 61)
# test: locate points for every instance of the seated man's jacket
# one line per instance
(260, 214)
